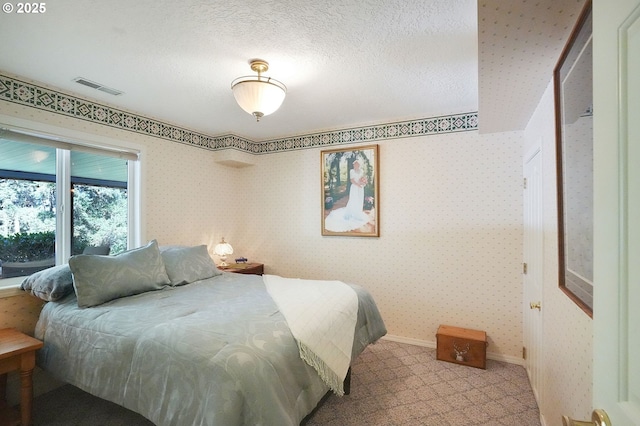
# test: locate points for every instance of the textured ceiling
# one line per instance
(345, 63)
(519, 44)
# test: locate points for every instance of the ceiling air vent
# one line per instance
(97, 86)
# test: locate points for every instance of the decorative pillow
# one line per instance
(98, 279)
(50, 284)
(188, 264)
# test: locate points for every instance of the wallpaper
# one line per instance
(450, 246)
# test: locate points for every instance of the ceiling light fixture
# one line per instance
(258, 95)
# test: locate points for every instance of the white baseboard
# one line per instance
(432, 344)
(410, 341)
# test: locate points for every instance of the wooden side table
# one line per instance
(17, 353)
(244, 268)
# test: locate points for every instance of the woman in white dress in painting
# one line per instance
(351, 216)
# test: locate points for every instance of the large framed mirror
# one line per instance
(573, 86)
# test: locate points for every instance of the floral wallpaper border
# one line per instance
(33, 95)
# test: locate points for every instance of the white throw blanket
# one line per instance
(322, 317)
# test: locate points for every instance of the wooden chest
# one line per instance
(462, 346)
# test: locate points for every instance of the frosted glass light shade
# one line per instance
(258, 95)
(223, 249)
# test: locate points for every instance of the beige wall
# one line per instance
(450, 245)
(450, 248)
(567, 330)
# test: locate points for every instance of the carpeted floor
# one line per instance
(399, 384)
(392, 384)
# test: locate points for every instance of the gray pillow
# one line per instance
(99, 279)
(50, 284)
(188, 264)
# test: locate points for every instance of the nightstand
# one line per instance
(17, 353)
(244, 268)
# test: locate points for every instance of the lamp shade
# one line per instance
(258, 96)
(223, 248)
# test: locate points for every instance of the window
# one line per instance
(39, 178)
(100, 202)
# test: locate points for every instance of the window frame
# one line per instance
(64, 145)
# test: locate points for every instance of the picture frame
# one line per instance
(350, 191)
(573, 96)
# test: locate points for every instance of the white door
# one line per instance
(532, 278)
(616, 317)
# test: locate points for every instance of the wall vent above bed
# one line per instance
(97, 86)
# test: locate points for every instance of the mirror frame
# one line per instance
(571, 283)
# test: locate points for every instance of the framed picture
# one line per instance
(349, 191)
(573, 81)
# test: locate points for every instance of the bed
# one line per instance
(213, 351)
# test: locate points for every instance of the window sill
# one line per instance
(10, 287)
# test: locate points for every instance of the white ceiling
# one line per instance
(345, 63)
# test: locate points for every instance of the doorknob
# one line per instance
(535, 305)
(598, 418)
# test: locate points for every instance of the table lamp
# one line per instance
(223, 249)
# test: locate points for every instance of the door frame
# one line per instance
(616, 274)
